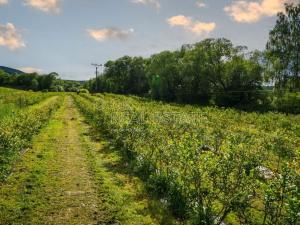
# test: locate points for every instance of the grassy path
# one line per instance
(68, 178)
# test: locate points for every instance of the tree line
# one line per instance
(36, 82)
(216, 72)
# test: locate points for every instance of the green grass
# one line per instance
(22, 193)
(4, 90)
(124, 197)
(12, 101)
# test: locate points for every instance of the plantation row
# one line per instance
(13, 100)
(209, 166)
(17, 128)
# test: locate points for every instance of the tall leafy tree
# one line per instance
(163, 72)
(283, 49)
(125, 75)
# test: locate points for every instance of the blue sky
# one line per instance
(66, 36)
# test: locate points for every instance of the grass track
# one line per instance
(69, 178)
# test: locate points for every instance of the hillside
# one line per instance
(11, 70)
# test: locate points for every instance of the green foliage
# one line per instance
(34, 85)
(35, 82)
(283, 49)
(17, 129)
(288, 102)
(84, 91)
(28, 81)
(68, 85)
(125, 76)
(12, 100)
(204, 163)
(211, 71)
(163, 71)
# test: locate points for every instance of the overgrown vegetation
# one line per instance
(18, 125)
(12, 100)
(209, 166)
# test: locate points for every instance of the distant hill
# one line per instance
(10, 70)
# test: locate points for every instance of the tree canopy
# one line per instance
(213, 70)
(36, 82)
(283, 49)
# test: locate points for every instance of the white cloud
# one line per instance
(30, 70)
(110, 33)
(154, 3)
(250, 12)
(179, 20)
(196, 27)
(199, 28)
(3, 2)
(200, 4)
(49, 6)
(10, 37)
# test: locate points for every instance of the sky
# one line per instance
(66, 36)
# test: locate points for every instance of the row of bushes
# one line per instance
(22, 99)
(17, 130)
(207, 165)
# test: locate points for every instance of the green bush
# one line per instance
(84, 91)
(287, 102)
(201, 161)
(17, 130)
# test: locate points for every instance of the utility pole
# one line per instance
(97, 66)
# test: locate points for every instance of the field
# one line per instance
(112, 159)
(207, 165)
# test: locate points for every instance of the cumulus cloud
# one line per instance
(190, 25)
(3, 2)
(200, 28)
(110, 33)
(49, 6)
(200, 4)
(250, 12)
(154, 3)
(10, 37)
(179, 20)
(30, 70)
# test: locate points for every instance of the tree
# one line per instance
(125, 75)
(34, 84)
(137, 77)
(195, 87)
(241, 82)
(4, 78)
(47, 81)
(283, 49)
(215, 69)
(164, 73)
